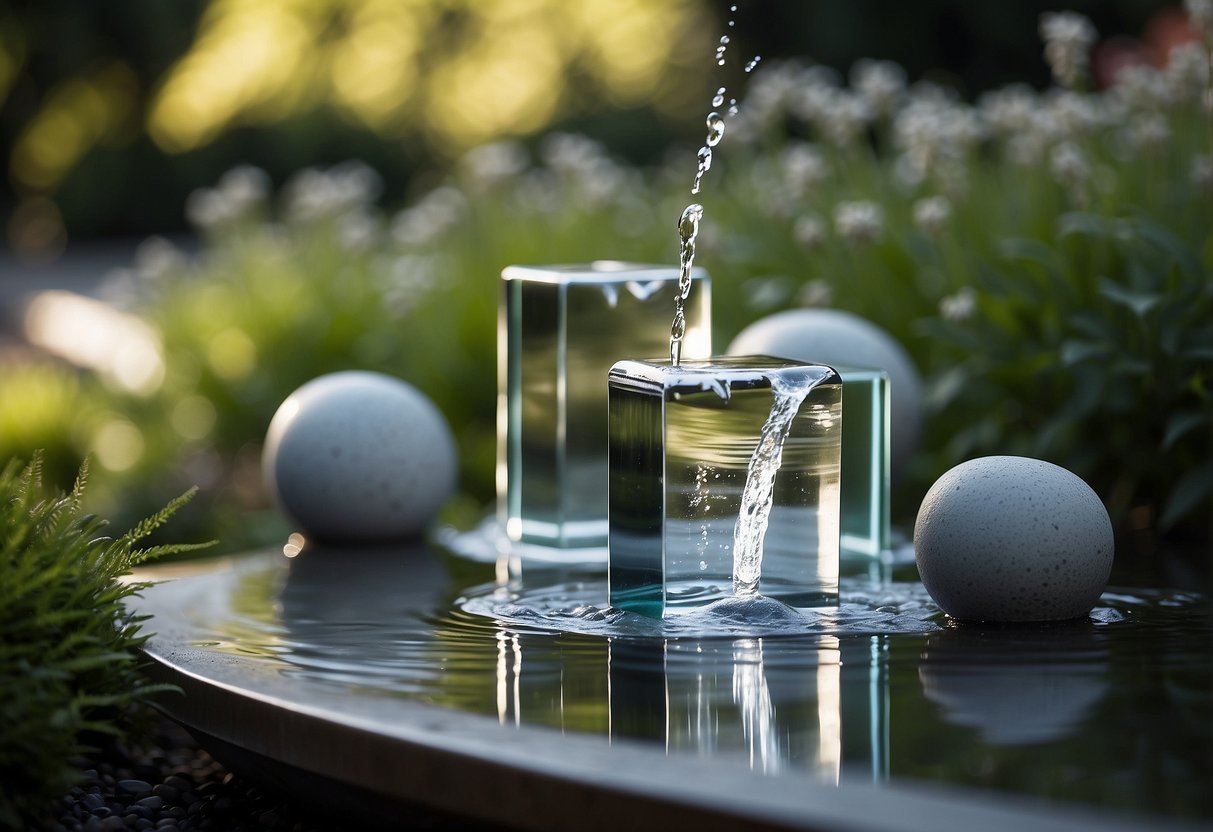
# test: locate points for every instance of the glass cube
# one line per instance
(865, 463)
(560, 328)
(681, 444)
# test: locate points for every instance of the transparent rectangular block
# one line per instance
(681, 444)
(560, 328)
(864, 531)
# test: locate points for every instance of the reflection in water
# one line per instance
(509, 678)
(775, 704)
(1022, 709)
(1016, 686)
(752, 696)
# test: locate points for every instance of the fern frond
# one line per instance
(149, 524)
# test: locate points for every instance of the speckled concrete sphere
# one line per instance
(1008, 538)
(832, 336)
(359, 456)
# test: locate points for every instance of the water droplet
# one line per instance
(703, 566)
(718, 98)
(753, 63)
(715, 130)
(732, 106)
(724, 40)
(688, 223)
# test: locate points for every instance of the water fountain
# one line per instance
(673, 693)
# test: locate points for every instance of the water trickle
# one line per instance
(715, 128)
(688, 230)
(758, 493)
(705, 164)
(721, 49)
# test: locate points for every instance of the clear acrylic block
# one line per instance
(865, 463)
(681, 443)
(560, 328)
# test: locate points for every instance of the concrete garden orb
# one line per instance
(359, 456)
(833, 337)
(1008, 538)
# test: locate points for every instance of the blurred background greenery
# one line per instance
(337, 183)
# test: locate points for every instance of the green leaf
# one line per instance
(1030, 251)
(1195, 487)
(1167, 243)
(1074, 351)
(1139, 303)
(1078, 222)
(1182, 423)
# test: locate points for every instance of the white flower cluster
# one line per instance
(1068, 40)
(859, 221)
(430, 217)
(1200, 15)
(313, 195)
(239, 192)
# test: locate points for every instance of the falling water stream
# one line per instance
(758, 492)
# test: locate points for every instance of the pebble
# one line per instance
(173, 790)
(135, 786)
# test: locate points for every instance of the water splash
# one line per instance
(688, 230)
(758, 493)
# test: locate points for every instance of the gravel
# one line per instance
(173, 786)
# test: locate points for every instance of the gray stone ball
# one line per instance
(359, 456)
(1008, 538)
(832, 337)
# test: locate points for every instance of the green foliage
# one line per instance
(69, 665)
(1044, 256)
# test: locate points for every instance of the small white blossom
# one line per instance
(859, 221)
(433, 215)
(1188, 71)
(404, 280)
(803, 166)
(936, 133)
(1200, 15)
(156, 258)
(1071, 114)
(960, 306)
(1201, 173)
(313, 195)
(245, 186)
(1142, 88)
(570, 153)
(358, 230)
(809, 231)
(810, 92)
(491, 164)
(1068, 38)
(815, 293)
(208, 210)
(1008, 111)
(879, 82)
(1069, 164)
(1149, 131)
(932, 213)
(770, 90)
